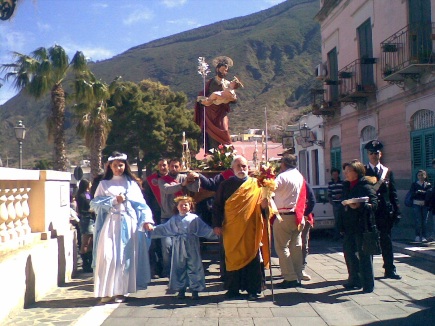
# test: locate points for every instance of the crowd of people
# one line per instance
(133, 230)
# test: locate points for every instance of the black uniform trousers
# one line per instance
(384, 225)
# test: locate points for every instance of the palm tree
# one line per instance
(92, 115)
(42, 72)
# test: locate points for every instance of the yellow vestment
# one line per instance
(243, 227)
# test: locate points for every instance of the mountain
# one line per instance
(274, 53)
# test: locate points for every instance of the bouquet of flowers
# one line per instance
(220, 158)
(266, 180)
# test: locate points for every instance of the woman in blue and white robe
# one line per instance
(121, 261)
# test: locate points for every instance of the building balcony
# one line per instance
(408, 53)
(356, 81)
(320, 105)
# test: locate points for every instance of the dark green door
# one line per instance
(423, 152)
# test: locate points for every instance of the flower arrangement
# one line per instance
(220, 158)
(266, 179)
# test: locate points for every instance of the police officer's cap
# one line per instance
(374, 146)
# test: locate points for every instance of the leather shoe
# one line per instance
(181, 295)
(393, 275)
(288, 284)
(352, 286)
(367, 290)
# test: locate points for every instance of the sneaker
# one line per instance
(119, 298)
(423, 239)
(305, 276)
(417, 239)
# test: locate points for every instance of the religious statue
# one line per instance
(212, 117)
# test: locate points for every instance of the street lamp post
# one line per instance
(20, 134)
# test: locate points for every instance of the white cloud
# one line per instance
(43, 27)
(184, 22)
(142, 14)
(100, 5)
(174, 3)
(97, 53)
(92, 52)
(16, 41)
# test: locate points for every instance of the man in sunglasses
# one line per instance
(388, 211)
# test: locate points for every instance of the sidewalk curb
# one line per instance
(426, 252)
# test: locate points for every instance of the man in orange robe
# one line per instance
(237, 217)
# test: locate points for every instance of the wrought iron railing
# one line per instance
(356, 79)
(413, 44)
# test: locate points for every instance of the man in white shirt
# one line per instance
(290, 198)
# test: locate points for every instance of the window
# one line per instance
(365, 51)
(315, 167)
(333, 74)
(335, 153)
(304, 164)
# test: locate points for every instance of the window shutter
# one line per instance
(416, 152)
(429, 144)
(336, 158)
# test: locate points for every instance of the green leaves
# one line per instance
(150, 118)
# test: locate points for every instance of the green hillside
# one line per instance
(274, 53)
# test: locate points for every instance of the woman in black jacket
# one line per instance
(353, 221)
(87, 222)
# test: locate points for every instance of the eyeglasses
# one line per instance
(373, 153)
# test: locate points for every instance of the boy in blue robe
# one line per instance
(185, 228)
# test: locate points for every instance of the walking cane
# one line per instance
(270, 252)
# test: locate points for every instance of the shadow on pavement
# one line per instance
(423, 317)
(172, 302)
(65, 303)
(334, 295)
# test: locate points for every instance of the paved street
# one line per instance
(321, 301)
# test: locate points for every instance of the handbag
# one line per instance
(371, 244)
(408, 199)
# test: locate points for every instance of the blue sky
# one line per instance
(104, 28)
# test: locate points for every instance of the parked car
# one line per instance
(323, 212)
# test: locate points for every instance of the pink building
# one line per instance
(378, 71)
